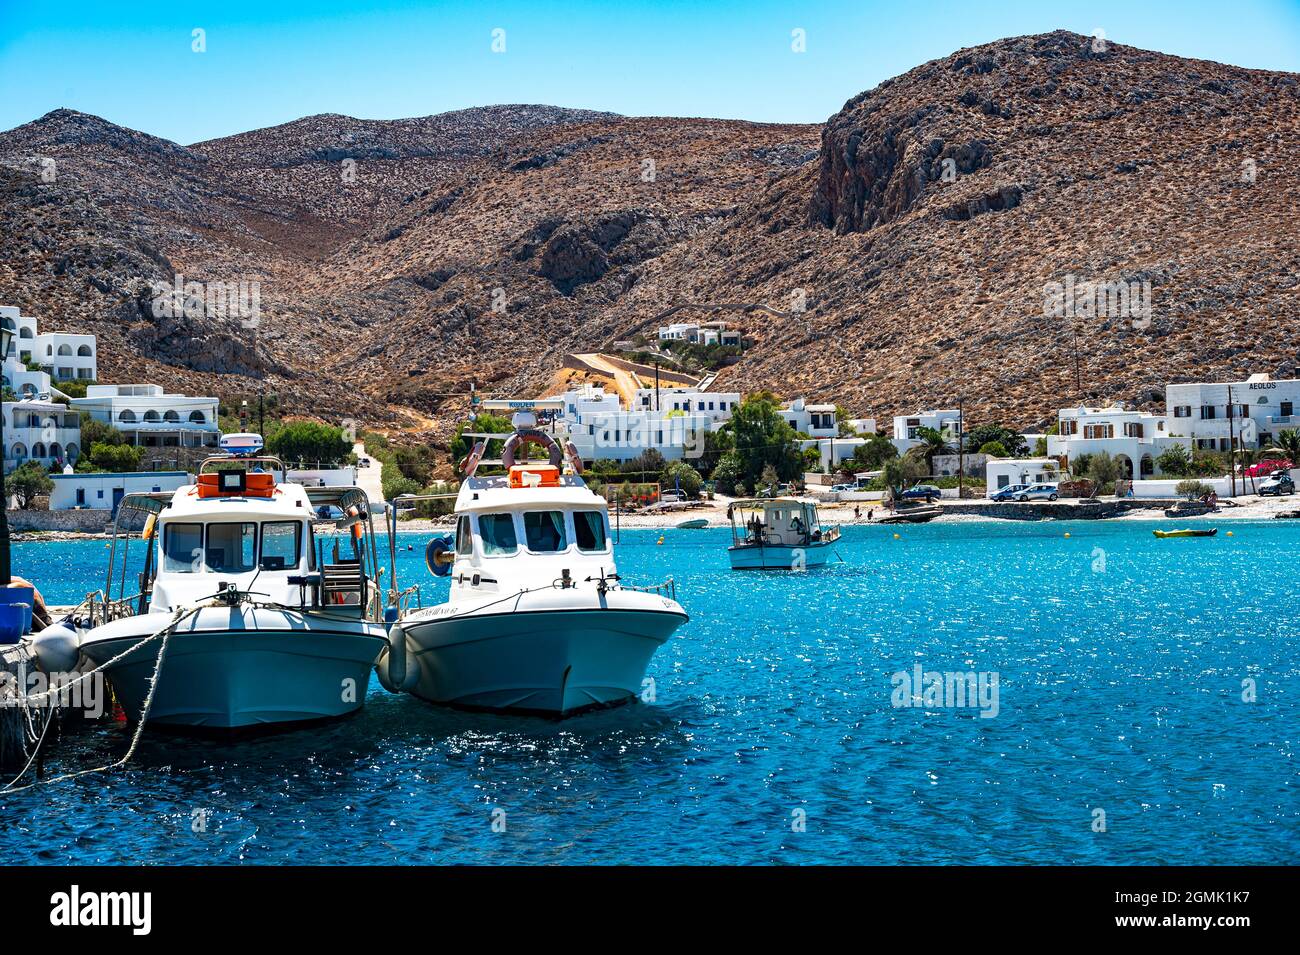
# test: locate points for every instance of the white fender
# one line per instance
(397, 672)
(57, 648)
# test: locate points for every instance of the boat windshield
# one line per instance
(589, 529)
(498, 533)
(544, 531)
(281, 545)
(231, 548)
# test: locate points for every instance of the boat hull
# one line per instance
(551, 661)
(240, 668)
(778, 557)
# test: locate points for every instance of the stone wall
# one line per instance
(86, 520)
(1053, 510)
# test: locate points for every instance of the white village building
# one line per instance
(63, 356)
(814, 420)
(1260, 409)
(600, 428)
(1135, 439)
(700, 333)
(907, 427)
(42, 431)
(146, 415)
(717, 405)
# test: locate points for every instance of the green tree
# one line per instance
(1040, 446)
(484, 424)
(1009, 438)
(116, 457)
(875, 451)
(679, 473)
(1175, 460)
(1103, 470)
(98, 432)
(27, 482)
(729, 474)
(310, 441)
(933, 442)
(900, 473)
(1289, 441)
(763, 438)
(994, 449)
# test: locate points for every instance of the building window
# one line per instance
(1207, 412)
(1285, 410)
(1182, 411)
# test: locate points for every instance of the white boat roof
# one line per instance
(771, 502)
(496, 494)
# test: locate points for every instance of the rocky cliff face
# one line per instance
(906, 251)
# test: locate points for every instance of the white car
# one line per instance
(1038, 492)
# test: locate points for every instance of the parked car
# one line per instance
(363, 462)
(843, 488)
(922, 492)
(1007, 493)
(1280, 483)
(1038, 492)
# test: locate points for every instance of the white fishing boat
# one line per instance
(269, 628)
(538, 619)
(781, 533)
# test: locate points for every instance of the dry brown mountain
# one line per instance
(908, 242)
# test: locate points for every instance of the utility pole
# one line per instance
(961, 443)
(1232, 447)
(1078, 378)
(656, 385)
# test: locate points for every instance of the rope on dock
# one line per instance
(165, 635)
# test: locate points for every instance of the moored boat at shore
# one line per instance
(241, 618)
(781, 533)
(538, 619)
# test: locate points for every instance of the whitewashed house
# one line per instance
(1259, 410)
(41, 431)
(105, 490)
(717, 405)
(1001, 472)
(1135, 439)
(599, 427)
(64, 356)
(816, 421)
(148, 416)
(907, 428)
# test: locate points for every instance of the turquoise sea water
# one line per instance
(1120, 662)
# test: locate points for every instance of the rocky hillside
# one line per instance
(909, 246)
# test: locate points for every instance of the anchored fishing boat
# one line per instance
(241, 615)
(780, 533)
(538, 619)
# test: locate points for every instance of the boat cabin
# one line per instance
(239, 529)
(777, 522)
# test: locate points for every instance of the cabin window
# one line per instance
(544, 531)
(589, 529)
(464, 537)
(498, 533)
(230, 548)
(182, 545)
(281, 545)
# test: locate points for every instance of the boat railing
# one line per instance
(666, 588)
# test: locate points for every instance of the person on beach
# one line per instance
(857, 512)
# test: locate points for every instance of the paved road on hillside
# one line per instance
(369, 479)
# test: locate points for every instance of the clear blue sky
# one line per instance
(268, 62)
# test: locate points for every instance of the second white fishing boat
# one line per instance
(538, 619)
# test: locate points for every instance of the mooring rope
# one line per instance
(165, 635)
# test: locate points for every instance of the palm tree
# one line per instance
(1289, 441)
(933, 442)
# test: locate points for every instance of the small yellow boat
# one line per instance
(1188, 532)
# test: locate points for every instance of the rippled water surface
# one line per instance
(1120, 660)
